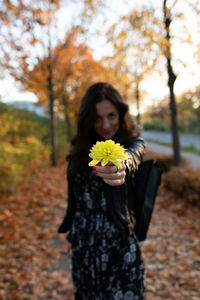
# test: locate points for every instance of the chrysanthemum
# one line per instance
(107, 151)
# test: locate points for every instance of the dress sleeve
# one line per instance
(135, 149)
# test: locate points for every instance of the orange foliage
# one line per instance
(29, 220)
(171, 251)
(72, 70)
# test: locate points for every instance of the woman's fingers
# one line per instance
(110, 169)
(111, 174)
(117, 175)
(115, 182)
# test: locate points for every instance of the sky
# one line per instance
(157, 87)
(9, 91)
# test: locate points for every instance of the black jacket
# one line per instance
(118, 206)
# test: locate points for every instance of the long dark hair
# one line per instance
(86, 136)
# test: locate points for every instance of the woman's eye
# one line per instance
(112, 115)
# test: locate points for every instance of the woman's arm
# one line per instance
(135, 149)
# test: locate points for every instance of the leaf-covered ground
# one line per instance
(34, 264)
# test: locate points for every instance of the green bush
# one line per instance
(25, 145)
(18, 163)
(157, 124)
(62, 144)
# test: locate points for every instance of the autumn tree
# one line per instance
(143, 58)
(28, 36)
(157, 115)
(47, 75)
(117, 69)
(171, 80)
(145, 23)
(197, 58)
(189, 111)
(172, 13)
(132, 58)
(156, 31)
(74, 71)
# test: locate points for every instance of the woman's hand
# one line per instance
(111, 174)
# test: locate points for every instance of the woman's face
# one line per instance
(107, 121)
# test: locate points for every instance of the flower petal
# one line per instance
(107, 151)
(104, 162)
(117, 163)
(93, 163)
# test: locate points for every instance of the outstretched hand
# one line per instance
(111, 174)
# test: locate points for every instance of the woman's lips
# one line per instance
(107, 132)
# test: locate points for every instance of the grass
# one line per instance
(190, 148)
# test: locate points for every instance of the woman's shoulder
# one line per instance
(134, 141)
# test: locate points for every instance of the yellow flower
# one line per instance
(107, 151)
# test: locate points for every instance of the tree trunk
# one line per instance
(52, 119)
(67, 119)
(137, 96)
(171, 81)
(173, 115)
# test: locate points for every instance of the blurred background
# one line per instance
(51, 52)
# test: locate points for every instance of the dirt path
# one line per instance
(186, 139)
(193, 159)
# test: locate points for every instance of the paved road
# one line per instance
(186, 139)
(193, 159)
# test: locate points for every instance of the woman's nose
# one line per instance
(105, 124)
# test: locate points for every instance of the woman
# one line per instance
(106, 259)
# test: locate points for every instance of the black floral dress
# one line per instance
(104, 265)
